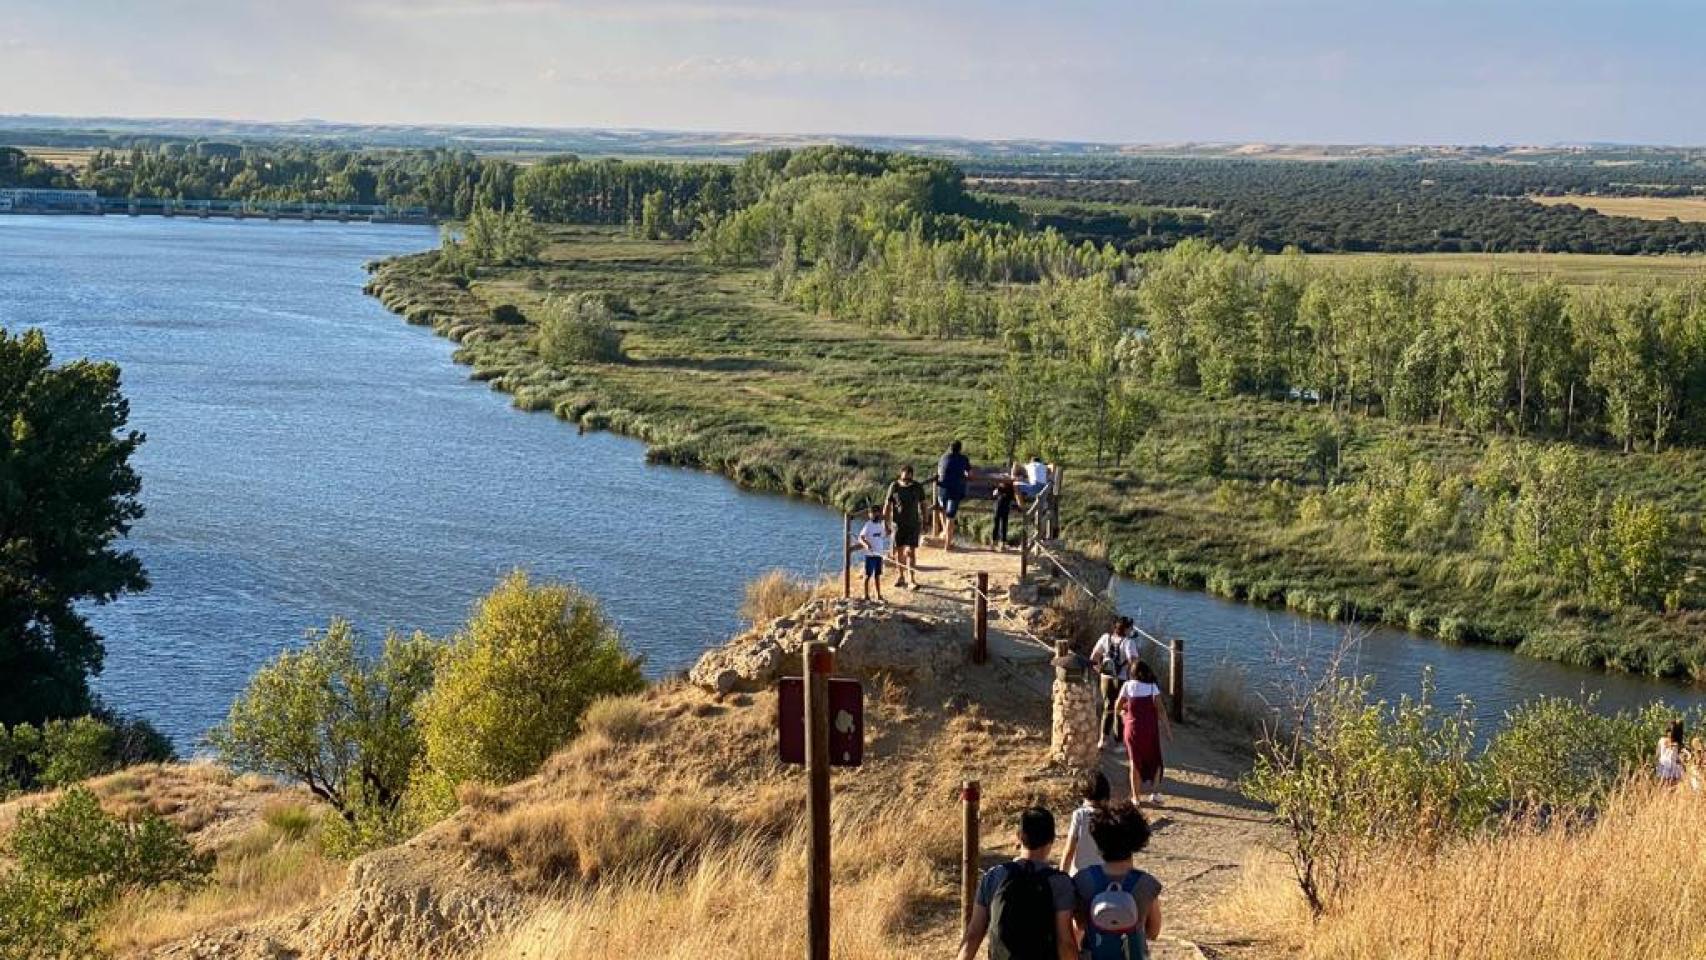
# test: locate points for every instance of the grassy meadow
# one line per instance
(721, 375)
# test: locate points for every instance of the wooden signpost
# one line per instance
(821, 723)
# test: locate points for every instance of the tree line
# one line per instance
(1376, 205)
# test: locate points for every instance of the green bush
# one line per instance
(61, 752)
(514, 683)
(1560, 755)
(578, 328)
(1348, 778)
(76, 843)
(71, 859)
(341, 724)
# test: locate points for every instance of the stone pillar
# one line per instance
(1074, 736)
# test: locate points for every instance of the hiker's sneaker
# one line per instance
(1155, 800)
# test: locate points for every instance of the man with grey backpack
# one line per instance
(1119, 906)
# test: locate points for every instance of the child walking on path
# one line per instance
(1081, 850)
(874, 540)
(1140, 705)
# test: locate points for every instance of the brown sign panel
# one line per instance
(846, 721)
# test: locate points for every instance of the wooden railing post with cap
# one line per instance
(1176, 680)
(970, 847)
(980, 622)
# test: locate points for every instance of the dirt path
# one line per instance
(1205, 831)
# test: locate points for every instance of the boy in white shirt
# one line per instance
(874, 540)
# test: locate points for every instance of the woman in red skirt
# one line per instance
(1140, 705)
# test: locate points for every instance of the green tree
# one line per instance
(515, 681)
(340, 723)
(578, 328)
(67, 494)
(1631, 559)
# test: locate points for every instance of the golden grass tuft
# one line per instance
(1625, 886)
(773, 594)
(578, 839)
(742, 902)
(621, 719)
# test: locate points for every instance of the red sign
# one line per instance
(846, 721)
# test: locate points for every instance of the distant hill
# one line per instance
(60, 131)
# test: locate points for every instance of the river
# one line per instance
(310, 455)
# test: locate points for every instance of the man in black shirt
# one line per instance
(951, 473)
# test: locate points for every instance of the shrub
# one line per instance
(341, 724)
(1349, 778)
(773, 594)
(75, 843)
(515, 682)
(579, 328)
(1559, 755)
(61, 752)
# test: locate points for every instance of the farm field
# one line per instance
(1686, 209)
(1572, 268)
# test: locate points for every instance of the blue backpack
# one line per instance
(1116, 923)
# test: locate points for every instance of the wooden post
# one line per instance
(970, 848)
(820, 660)
(846, 556)
(1176, 681)
(1054, 504)
(1024, 544)
(980, 623)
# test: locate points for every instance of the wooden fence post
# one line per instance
(847, 556)
(980, 622)
(1054, 504)
(1024, 544)
(970, 848)
(820, 661)
(1176, 681)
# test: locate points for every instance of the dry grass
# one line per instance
(1627, 886)
(744, 902)
(1686, 209)
(273, 869)
(618, 719)
(773, 594)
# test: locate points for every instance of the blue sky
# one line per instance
(1342, 71)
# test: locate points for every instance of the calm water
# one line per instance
(1275, 650)
(309, 455)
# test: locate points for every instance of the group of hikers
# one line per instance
(897, 523)
(1095, 905)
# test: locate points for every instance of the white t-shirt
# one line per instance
(1670, 762)
(1086, 854)
(874, 534)
(1036, 472)
(1137, 690)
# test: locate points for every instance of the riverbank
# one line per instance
(719, 375)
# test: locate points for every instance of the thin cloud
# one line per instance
(710, 69)
(637, 11)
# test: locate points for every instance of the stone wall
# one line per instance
(1075, 735)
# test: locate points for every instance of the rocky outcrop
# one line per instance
(867, 639)
(415, 901)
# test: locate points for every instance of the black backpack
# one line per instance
(1021, 914)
